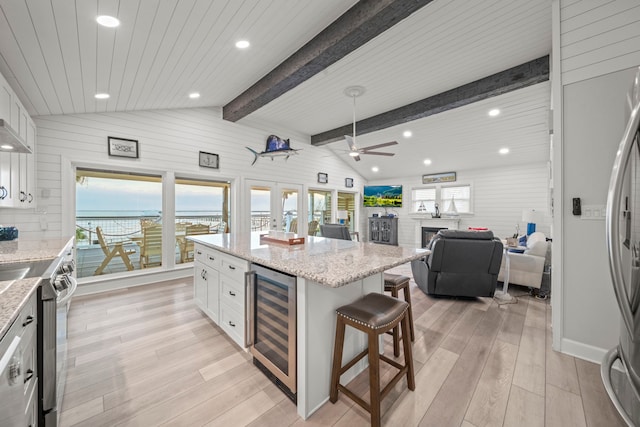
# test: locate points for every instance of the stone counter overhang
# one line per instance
(329, 262)
(18, 292)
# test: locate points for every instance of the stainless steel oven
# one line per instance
(271, 325)
(58, 286)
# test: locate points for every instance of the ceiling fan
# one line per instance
(354, 151)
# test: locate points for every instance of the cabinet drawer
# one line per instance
(232, 322)
(234, 267)
(28, 316)
(209, 257)
(29, 369)
(232, 292)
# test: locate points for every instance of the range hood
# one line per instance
(10, 137)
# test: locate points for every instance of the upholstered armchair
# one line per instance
(335, 231)
(461, 263)
(526, 268)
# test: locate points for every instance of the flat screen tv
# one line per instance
(386, 196)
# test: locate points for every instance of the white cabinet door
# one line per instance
(206, 289)
(200, 285)
(30, 185)
(6, 185)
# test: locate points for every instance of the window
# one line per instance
(450, 199)
(319, 206)
(459, 196)
(424, 200)
(202, 207)
(113, 210)
(347, 202)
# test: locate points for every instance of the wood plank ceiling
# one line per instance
(56, 58)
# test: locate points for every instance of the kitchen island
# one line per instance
(330, 273)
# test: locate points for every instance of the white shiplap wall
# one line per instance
(598, 37)
(499, 196)
(169, 140)
(599, 48)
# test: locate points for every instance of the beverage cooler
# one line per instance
(271, 325)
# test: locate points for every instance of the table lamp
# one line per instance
(342, 216)
(531, 217)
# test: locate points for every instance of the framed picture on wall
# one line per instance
(209, 160)
(323, 178)
(120, 147)
(348, 182)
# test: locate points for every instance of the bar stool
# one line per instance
(394, 283)
(373, 314)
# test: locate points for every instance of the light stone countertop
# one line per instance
(330, 262)
(14, 294)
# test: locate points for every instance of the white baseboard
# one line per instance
(127, 280)
(583, 351)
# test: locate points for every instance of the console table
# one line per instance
(383, 230)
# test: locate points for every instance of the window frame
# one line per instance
(438, 197)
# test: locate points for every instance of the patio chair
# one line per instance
(151, 246)
(186, 246)
(313, 228)
(111, 250)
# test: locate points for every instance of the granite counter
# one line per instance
(329, 262)
(14, 294)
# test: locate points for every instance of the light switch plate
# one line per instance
(594, 212)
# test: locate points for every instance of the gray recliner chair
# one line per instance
(335, 231)
(461, 263)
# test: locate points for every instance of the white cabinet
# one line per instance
(18, 368)
(17, 170)
(219, 289)
(206, 287)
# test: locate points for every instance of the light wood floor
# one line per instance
(147, 356)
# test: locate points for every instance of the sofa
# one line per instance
(526, 268)
(461, 263)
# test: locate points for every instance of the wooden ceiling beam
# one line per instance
(518, 77)
(354, 28)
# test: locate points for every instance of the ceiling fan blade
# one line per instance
(352, 145)
(378, 153)
(386, 144)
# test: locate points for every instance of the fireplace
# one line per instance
(428, 233)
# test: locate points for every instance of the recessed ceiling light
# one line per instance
(503, 151)
(494, 112)
(108, 21)
(242, 44)
(194, 95)
(407, 134)
(375, 169)
(6, 147)
(101, 95)
(427, 162)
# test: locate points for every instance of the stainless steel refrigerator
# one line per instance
(620, 368)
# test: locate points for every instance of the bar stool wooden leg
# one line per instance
(407, 298)
(396, 330)
(374, 379)
(408, 356)
(337, 359)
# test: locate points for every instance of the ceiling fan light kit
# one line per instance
(354, 151)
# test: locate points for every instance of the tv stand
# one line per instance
(383, 230)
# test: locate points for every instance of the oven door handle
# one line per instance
(70, 291)
(249, 282)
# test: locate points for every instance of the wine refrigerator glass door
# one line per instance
(273, 323)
